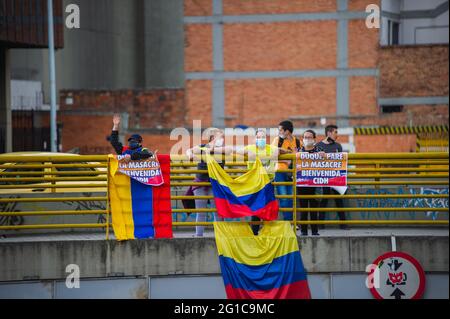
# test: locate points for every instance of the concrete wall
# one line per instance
(120, 44)
(193, 256)
(170, 268)
(5, 101)
(164, 45)
(322, 286)
(417, 23)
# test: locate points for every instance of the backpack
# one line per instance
(297, 146)
(297, 143)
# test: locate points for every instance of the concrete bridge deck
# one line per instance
(35, 265)
(189, 233)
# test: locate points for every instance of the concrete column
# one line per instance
(164, 44)
(5, 101)
(218, 94)
(342, 82)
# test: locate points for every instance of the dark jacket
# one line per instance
(334, 147)
(136, 154)
(203, 166)
(316, 149)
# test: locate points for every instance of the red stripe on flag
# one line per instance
(228, 210)
(162, 209)
(296, 290)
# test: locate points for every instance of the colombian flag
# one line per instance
(139, 210)
(266, 266)
(251, 194)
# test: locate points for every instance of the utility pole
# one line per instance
(51, 58)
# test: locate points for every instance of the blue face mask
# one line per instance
(133, 145)
(260, 143)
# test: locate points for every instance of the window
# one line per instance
(391, 108)
(393, 32)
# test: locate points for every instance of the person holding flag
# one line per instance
(215, 145)
(261, 148)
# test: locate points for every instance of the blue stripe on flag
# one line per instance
(282, 271)
(142, 206)
(254, 201)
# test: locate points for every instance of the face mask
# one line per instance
(308, 142)
(219, 142)
(133, 145)
(330, 140)
(260, 143)
(283, 136)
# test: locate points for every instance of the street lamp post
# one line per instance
(51, 58)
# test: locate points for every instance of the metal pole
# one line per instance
(51, 58)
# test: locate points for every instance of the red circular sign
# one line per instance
(400, 276)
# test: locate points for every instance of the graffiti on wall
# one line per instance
(10, 208)
(401, 202)
(88, 205)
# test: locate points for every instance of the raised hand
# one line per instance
(116, 122)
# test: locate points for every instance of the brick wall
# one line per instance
(147, 109)
(266, 102)
(273, 46)
(414, 71)
(88, 120)
(385, 143)
(198, 48)
(239, 7)
(278, 46)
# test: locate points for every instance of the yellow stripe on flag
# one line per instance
(236, 240)
(120, 200)
(249, 183)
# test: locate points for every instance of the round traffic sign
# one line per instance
(396, 275)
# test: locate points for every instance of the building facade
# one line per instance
(229, 63)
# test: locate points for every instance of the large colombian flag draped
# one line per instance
(139, 210)
(250, 194)
(266, 266)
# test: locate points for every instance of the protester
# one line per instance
(287, 144)
(134, 150)
(329, 145)
(215, 145)
(260, 148)
(309, 145)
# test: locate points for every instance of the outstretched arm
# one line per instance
(193, 151)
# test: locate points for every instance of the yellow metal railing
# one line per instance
(55, 179)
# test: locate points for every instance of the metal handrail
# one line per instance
(370, 169)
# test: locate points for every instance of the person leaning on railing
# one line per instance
(309, 146)
(287, 144)
(260, 148)
(215, 145)
(329, 145)
(134, 149)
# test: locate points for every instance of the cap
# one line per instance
(135, 137)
